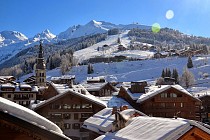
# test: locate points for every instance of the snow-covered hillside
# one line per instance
(94, 27)
(148, 70)
(14, 42)
(112, 50)
(11, 37)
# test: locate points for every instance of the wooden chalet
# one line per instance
(69, 108)
(99, 79)
(20, 123)
(160, 55)
(205, 109)
(21, 94)
(64, 79)
(100, 89)
(121, 48)
(154, 128)
(109, 120)
(30, 80)
(186, 53)
(8, 78)
(163, 101)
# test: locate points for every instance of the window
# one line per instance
(67, 126)
(56, 115)
(181, 105)
(76, 116)
(163, 95)
(55, 106)
(173, 95)
(86, 115)
(76, 106)
(67, 116)
(31, 95)
(9, 95)
(66, 106)
(87, 106)
(76, 126)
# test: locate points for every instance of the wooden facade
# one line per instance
(49, 92)
(69, 112)
(14, 128)
(205, 109)
(19, 94)
(195, 134)
(101, 89)
(168, 103)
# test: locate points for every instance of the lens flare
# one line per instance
(169, 14)
(156, 28)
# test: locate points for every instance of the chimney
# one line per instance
(138, 87)
(114, 110)
(123, 107)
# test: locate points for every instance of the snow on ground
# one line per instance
(148, 70)
(134, 54)
(92, 51)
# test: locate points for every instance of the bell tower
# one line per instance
(40, 68)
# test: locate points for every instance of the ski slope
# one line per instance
(92, 51)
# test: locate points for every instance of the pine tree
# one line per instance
(175, 75)
(118, 40)
(169, 73)
(90, 69)
(163, 73)
(26, 67)
(189, 62)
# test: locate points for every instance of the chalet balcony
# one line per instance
(178, 99)
(21, 98)
(167, 110)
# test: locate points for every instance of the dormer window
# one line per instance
(163, 95)
(173, 95)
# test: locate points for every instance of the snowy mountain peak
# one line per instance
(47, 31)
(13, 35)
(44, 35)
(92, 27)
(95, 23)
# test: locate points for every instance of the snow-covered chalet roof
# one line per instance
(77, 90)
(101, 122)
(29, 116)
(114, 101)
(153, 128)
(95, 79)
(94, 86)
(63, 77)
(154, 90)
(7, 85)
(25, 86)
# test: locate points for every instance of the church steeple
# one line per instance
(40, 68)
(40, 51)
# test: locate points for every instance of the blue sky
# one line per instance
(33, 16)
